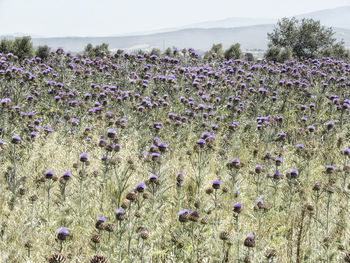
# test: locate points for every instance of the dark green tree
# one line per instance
(42, 52)
(217, 49)
(168, 52)
(155, 51)
(97, 51)
(249, 56)
(6, 46)
(23, 47)
(233, 52)
(305, 37)
(279, 54)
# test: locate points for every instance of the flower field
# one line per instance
(139, 158)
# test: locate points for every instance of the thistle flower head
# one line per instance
(140, 187)
(84, 157)
(216, 184)
(49, 174)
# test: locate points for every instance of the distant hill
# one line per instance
(251, 37)
(232, 22)
(337, 17)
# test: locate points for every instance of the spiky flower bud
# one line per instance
(96, 238)
(183, 215)
(131, 196)
(310, 208)
(209, 190)
(194, 216)
(197, 204)
(119, 214)
(204, 221)
(247, 259)
(98, 259)
(125, 204)
(145, 195)
(144, 235)
(29, 244)
(347, 257)
(138, 214)
(57, 258)
(109, 227)
(33, 198)
(224, 235)
(249, 241)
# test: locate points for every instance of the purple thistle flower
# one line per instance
(140, 187)
(101, 219)
(63, 231)
(119, 211)
(49, 174)
(237, 208)
(294, 173)
(111, 133)
(66, 175)
(155, 156)
(16, 139)
(84, 157)
(183, 215)
(329, 169)
(201, 142)
(311, 128)
(119, 214)
(216, 184)
(183, 212)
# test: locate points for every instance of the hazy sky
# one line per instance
(112, 17)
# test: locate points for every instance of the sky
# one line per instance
(50, 18)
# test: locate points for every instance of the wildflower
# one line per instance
(100, 222)
(294, 173)
(66, 175)
(224, 235)
(194, 216)
(183, 215)
(111, 133)
(84, 157)
(49, 174)
(16, 139)
(201, 143)
(237, 208)
(216, 184)
(249, 241)
(140, 187)
(329, 169)
(119, 214)
(62, 233)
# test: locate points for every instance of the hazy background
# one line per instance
(50, 18)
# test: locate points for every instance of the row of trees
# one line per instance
(290, 39)
(23, 48)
